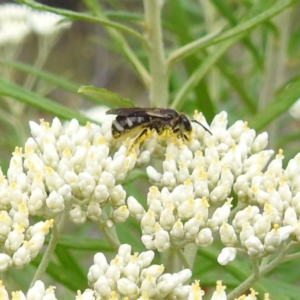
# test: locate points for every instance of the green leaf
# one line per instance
(47, 76)
(239, 30)
(200, 72)
(84, 244)
(227, 12)
(105, 96)
(282, 103)
(85, 17)
(64, 275)
(28, 97)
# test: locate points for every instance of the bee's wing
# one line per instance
(125, 112)
(134, 111)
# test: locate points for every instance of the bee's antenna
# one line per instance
(202, 126)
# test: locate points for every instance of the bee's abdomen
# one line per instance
(123, 124)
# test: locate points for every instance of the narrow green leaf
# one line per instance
(18, 93)
(65, 276)
(226, 11)
(200, 72)
(68, 258)
(106, 97)
(242, 28)
(282, 103)
(238, 86)
(84, 244)
(45, 75)
(85, 17)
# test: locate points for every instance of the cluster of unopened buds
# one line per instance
(217, 186)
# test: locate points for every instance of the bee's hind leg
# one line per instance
(143, 135)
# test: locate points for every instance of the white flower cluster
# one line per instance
(190, 292)
(134, 277)
(38, 291)
(61, 166)
(21, 242)
(71, 164)
(17, 21)
(197, 182)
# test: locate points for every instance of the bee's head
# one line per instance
(184, 127)
(184, 123)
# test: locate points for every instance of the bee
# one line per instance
(141, 122)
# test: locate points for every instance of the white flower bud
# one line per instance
(219, 193)
(113, 272)
(124, 252)
(88, 294)
(147, 223)
(36, 201)
(220, 215)
(107, 179)
(94, 273)
(254, 246)
(37, 291)
(228, 235)
(154, 271)
(219, 294)
(191, 227)
(36, 244)
(55, 202)
(5, 225)
(183, 173)
(161, 238)
(77, 215)
(148, 288)
(116, 167)
(94, 211)
(260, 142)
(246, 232)
(168, 179)
(117, 196)
(101, 193)
(227, 255)
(5, 262)
(204, 237)
(177, 231)
(53, 180)
(186, 209)
(144, 158)
(21, 257)
(167, 217)
(121, 214)
(244, 215)
(86, 184)
(102, 287)
(14, 239)
(195, 292)
(132, 272)
(148, 241)
(135, 208)
(290, 217)
(262, 226)
(126, 287)
(153, 175)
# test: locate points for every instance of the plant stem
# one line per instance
(259, 273)
(274, 75)
(56, 230)
(159, 89)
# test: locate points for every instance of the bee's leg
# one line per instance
(144, 134)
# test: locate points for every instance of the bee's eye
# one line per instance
(186, 123)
